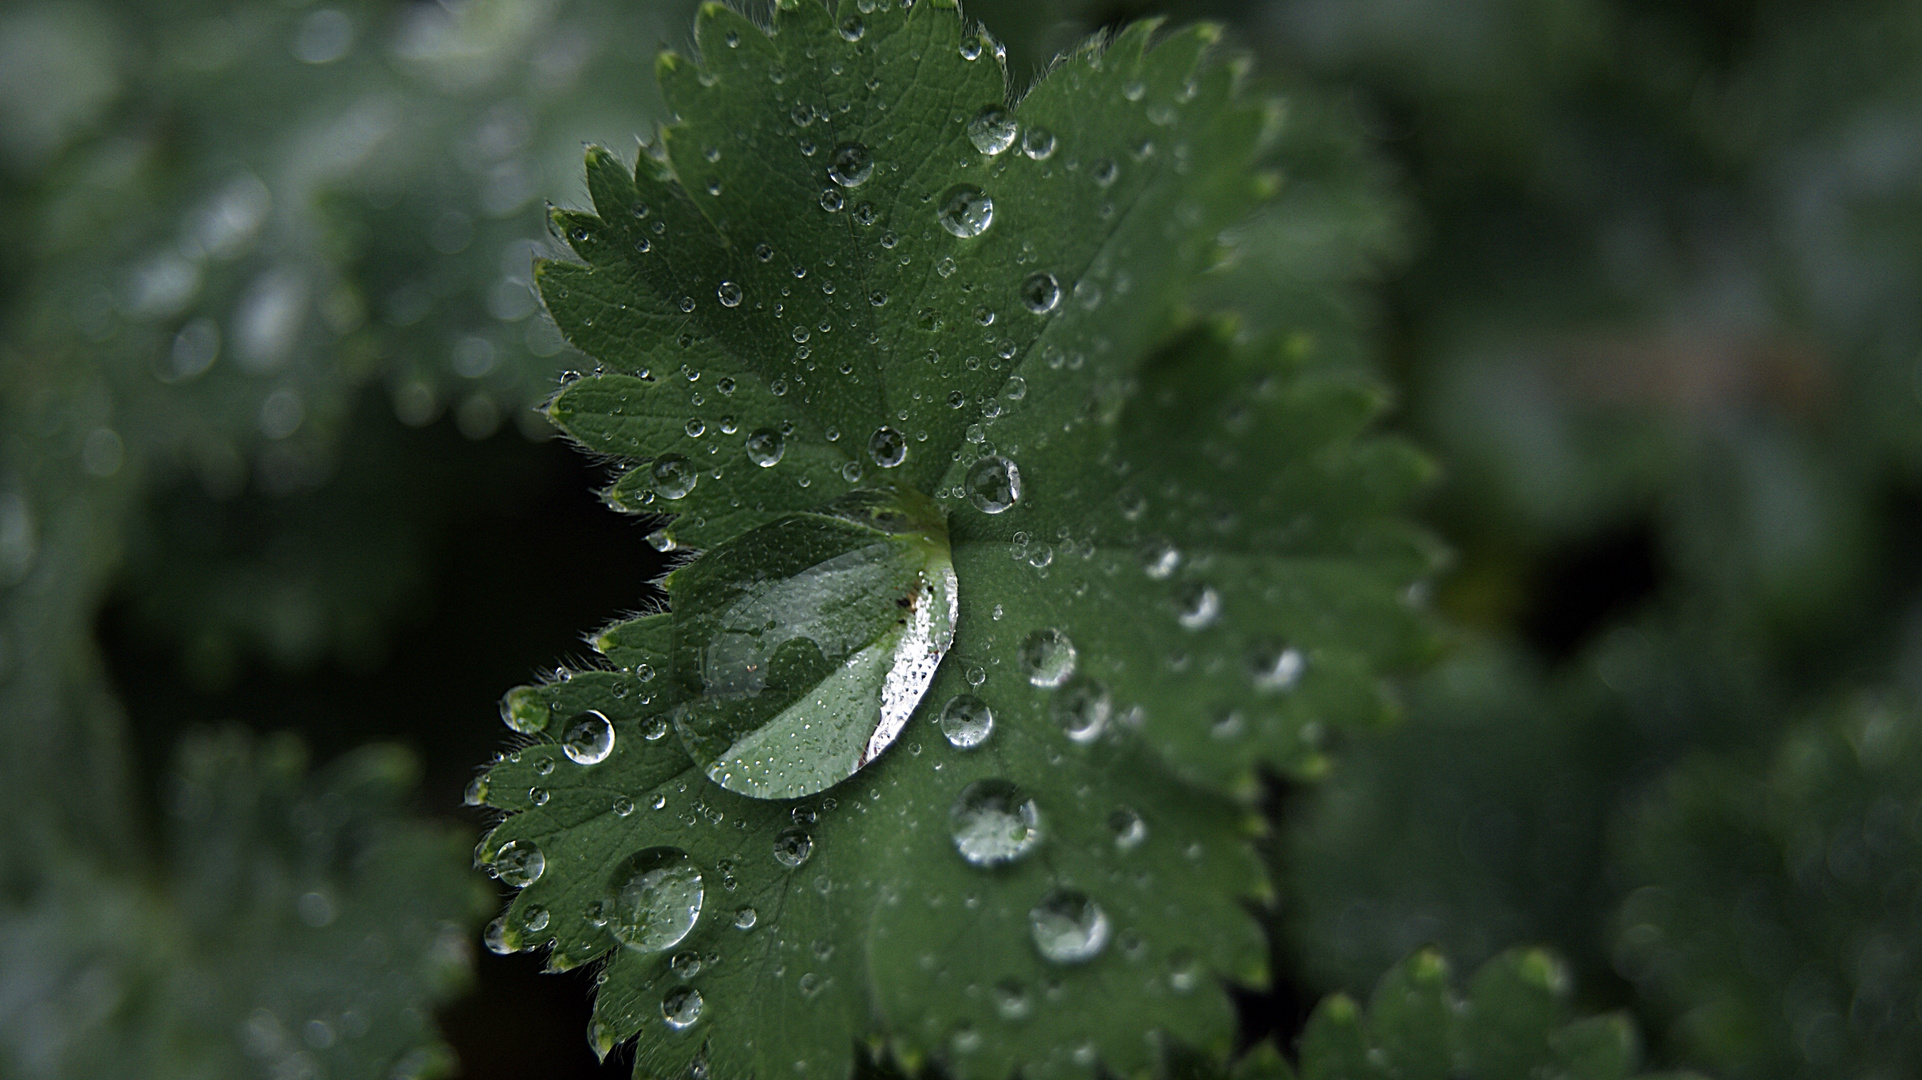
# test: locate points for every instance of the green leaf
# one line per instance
(1175, 560)
(1513, 1023)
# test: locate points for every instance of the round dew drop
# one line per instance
(1038, 143)
(1276, 669)
(523, 710)
(1159, 559)
(1082, 708)
(993, 484)
(745, 918)
(654, 899)
(1068, 927)
(765, 447)
(674, 476)
(1128, 829)
(589, 739)
(681, 1007)
(534, 919)
(1198, 607)
(519, 863)
(1047, 658)
(887, 447)
(728, 293)
(967, 721)
(1041, 293)
(1011, 1000)
(966, 211)
(992, 130)
(994, 822)
(793, 847)
(850, 165)
(498, 940)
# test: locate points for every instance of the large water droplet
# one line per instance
(498, 940)
(589, 739)
(1068, 927)
(681, 1007)
(967, 721)
(674, 476)
(850, 165)
(793, 847)
(994, 822)
(993, 484)
(887, 447)
(1041, 293)
(525, 710)
(992, 130)
(966, 210)
(1082, 708)
(1047, 658)
(655, 899)
(519, 863)
(765, 447)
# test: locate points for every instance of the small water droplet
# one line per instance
(793, 847)
(850, 165)
(852, 28)
(674, 476)
(1068, 927)
(993, 484)
(1047, 658)
(994, 822)
(654, 899)
(654, 729)
(1041, 292)
(1082, 707)
(1275, 668)
(728, 293)
(534, 918)
(888, 447)
(966, 211)
(1105, 171)
(498, 940)
(1159, 559)
(1133, 89)
(831, 200)
(1128, 828)
(519, 863)
(765, 447)
(745, 918)
(992, 130)
(685, 965)
(1184, 972)
(544, 767)
(763, 251)
(1011, 1000)
(970, 48)
(589, 739)
(524, 710)
(537, 796)
(622, 806)
(695, 427)
(967, 721)
(476, 793)
(1038, 143)
(681, 1007)
(1198, 606)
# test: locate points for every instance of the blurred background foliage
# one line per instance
(1644, 279)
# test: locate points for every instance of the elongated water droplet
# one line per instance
(994, 822)
(992, 130)
(589, 739)
(765, 447)
(850, 165)
(681, 1007)
(1068, 927)
(654, 899)
(673, 476)
(1082, 708)
(1041, 293)
(967, 721)
(1047, 658)
(803, 646)
(793, 846)
(519, 863)
(966, 211)
(993, 484)
(887, 447)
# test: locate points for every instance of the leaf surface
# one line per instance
(1175, 559)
